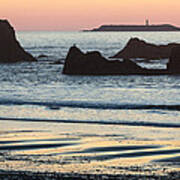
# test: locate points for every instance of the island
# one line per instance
(145, 27)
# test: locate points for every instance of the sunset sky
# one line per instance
(69, 15)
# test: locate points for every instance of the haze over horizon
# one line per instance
(77, 15)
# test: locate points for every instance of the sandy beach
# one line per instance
(83, 151)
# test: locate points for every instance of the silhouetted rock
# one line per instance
(42, 56)
(92, 63)
(10, 49)
(173, 66)
(137, 48)
(58, 62)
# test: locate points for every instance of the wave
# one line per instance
(128, 123)
(94, 105)
(40, 47)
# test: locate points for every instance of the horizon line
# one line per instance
(82, 29)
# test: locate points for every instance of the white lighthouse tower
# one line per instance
(147, 22)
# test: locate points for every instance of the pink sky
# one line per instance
(69, 15)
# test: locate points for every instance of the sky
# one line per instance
(74, 15)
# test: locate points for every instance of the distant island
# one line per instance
(146, 27)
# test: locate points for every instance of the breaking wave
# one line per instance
(94, 105)
(128, 123)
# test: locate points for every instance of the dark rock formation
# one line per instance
(10, 49)
(92, 63)
(58, 62)
(42, 56)
(137, 48)
(173, 66)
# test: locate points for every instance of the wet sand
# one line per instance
(20, 175)
(88, 151)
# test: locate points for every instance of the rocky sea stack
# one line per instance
(10, 49)
(173, 66)
(137, 48)
(93, 63)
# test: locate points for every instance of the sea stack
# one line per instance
(10, 49)
(137, 48)
(93, 63)
(173, 66)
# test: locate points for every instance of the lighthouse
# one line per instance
(147, 22)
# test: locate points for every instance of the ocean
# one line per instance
(97, 124)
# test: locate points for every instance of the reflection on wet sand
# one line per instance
(88, 148)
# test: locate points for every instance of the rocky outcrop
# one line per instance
(173, 66)
(10, 49)
(42, 56)
(137, 48)
(93, 63)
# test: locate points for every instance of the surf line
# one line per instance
(95, 105)
(125, 123)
